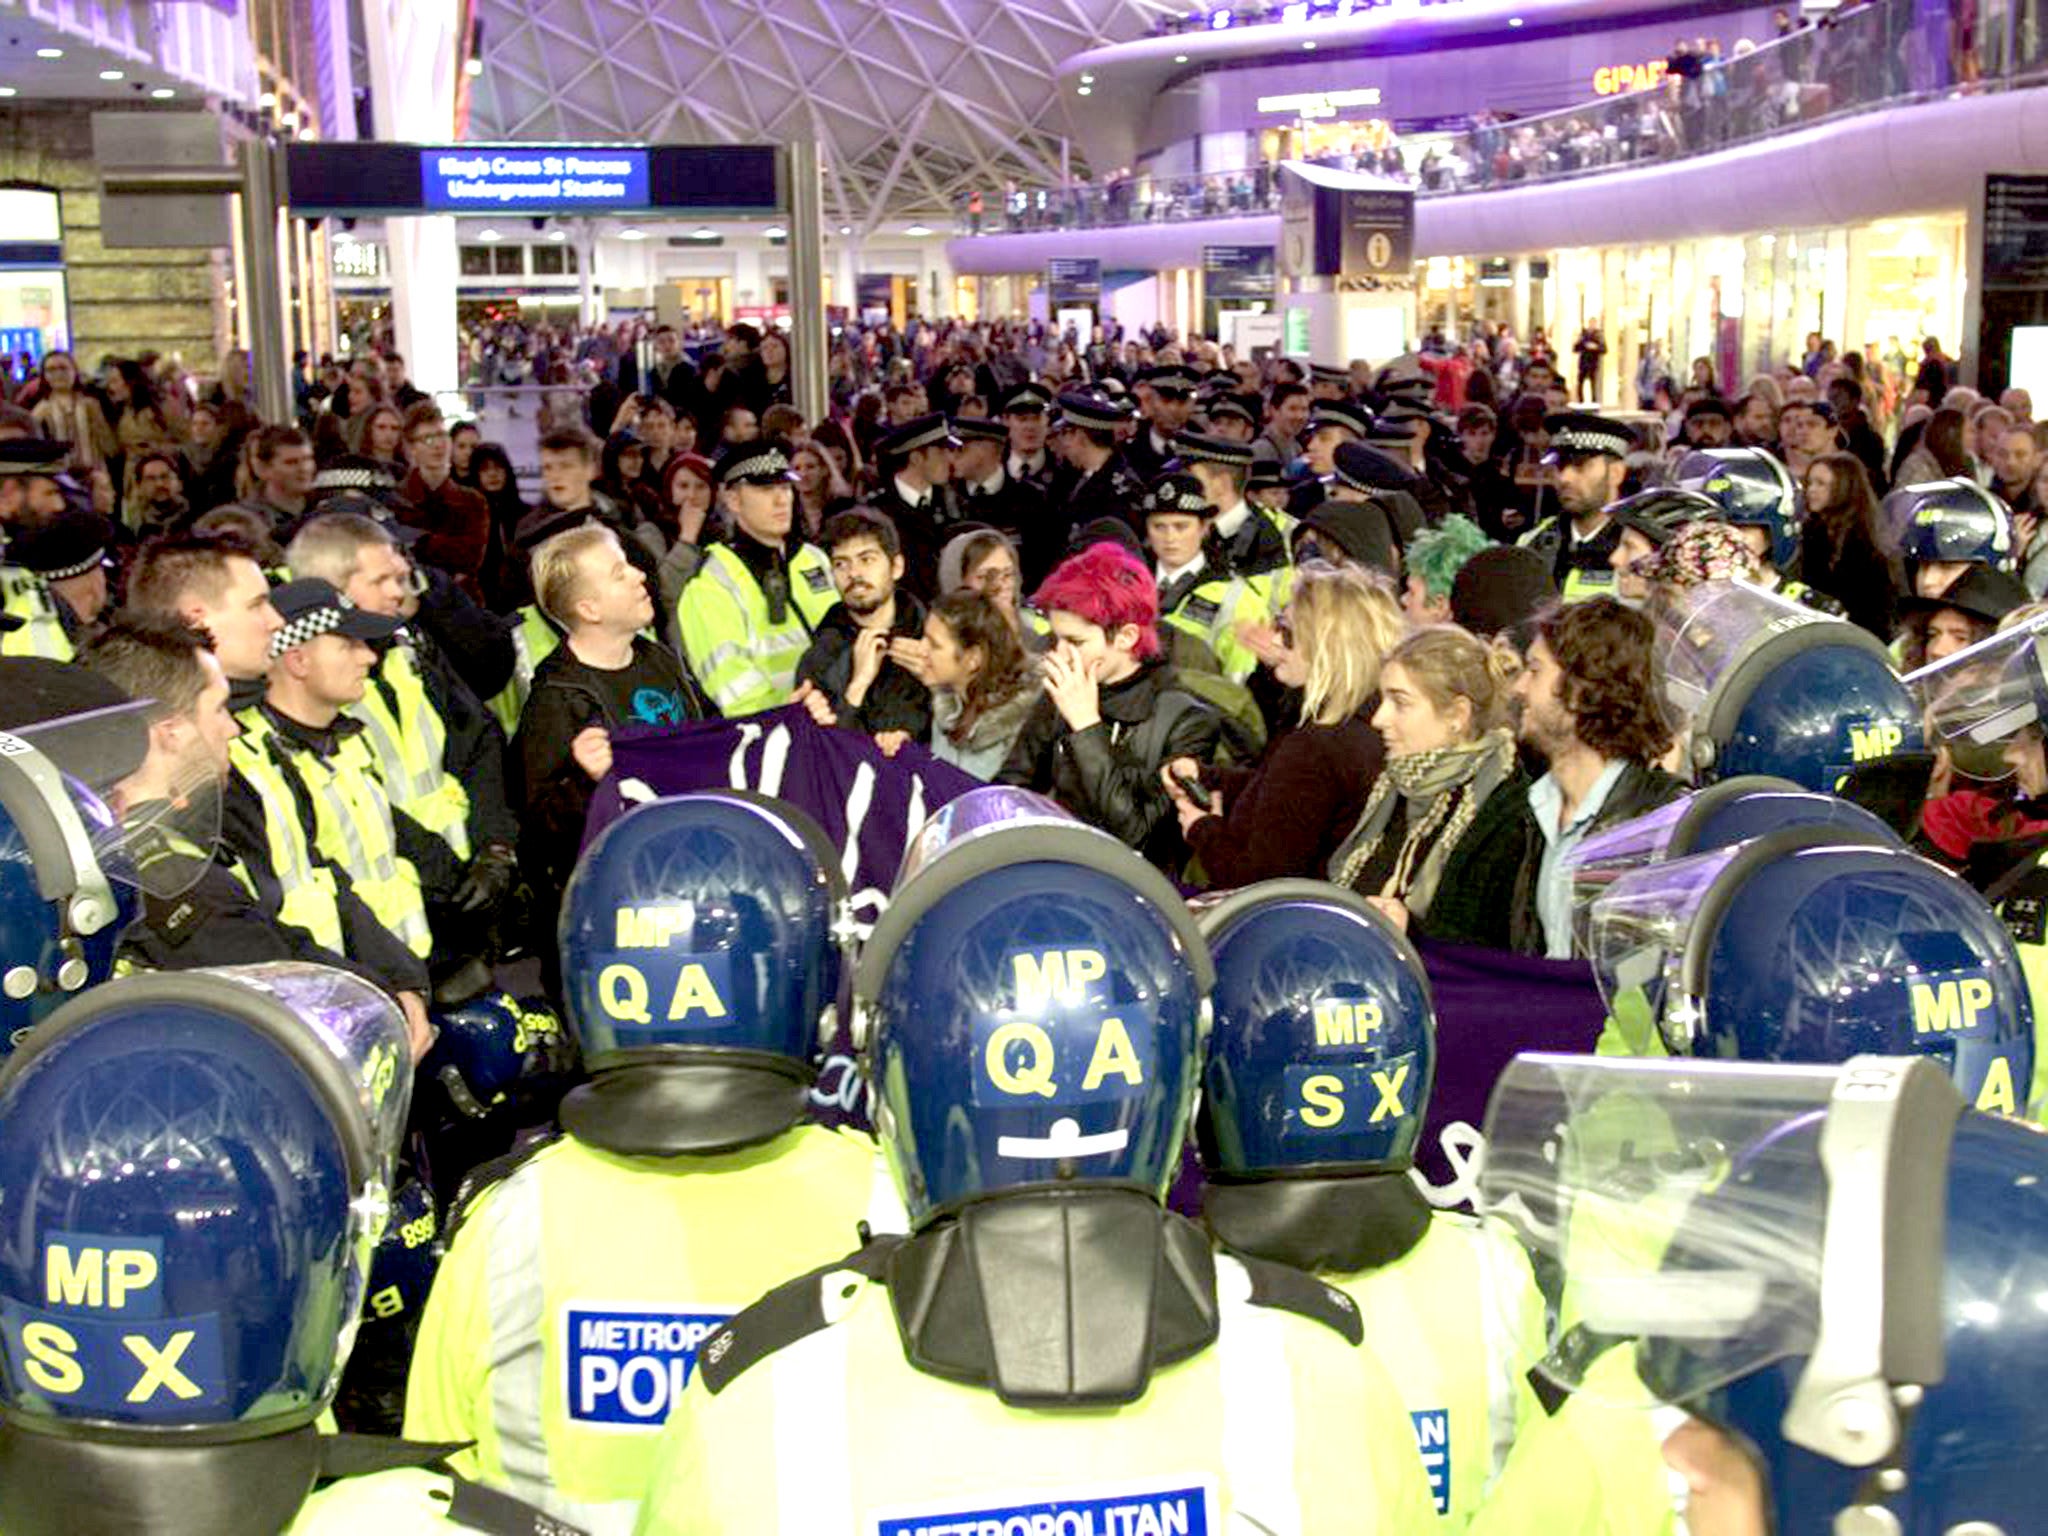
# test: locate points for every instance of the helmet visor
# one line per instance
(1640, 927)
(142, 794)
(1682, 1205)
(1989, 693)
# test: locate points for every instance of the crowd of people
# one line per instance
(1403, 630)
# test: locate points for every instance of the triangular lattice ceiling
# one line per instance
(916, 102)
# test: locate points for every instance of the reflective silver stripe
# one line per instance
(1258, 1409)
(813, 1441)
(516, 1290)
(1502, 1282)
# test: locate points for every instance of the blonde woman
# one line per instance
(1440, 842)
(1287, 815)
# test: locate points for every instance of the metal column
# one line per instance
(270, 354)
(804, 186)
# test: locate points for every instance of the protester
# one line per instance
(1441, 836)
(1286, 814)
(866, 653)
(984, 683)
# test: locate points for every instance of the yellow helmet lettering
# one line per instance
(1388, 1085)
(623, 991)
(1055, 973)
(52, 1362)
(1997, 1096)
(1113, 1053)
(1322, 1100)
(694, 992)
(1034, 1075)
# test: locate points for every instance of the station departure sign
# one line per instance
(351, 179)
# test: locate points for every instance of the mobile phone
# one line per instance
(1204, 801)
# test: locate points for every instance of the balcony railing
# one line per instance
(1862, 57)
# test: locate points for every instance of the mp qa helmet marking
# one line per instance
(1033, 1002)
(701, 940)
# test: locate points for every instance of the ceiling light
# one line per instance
(6, 90)
(289, 120)
(1309, 46)
(162, 93)
(49, 53)
(1514, 21)
(1086, 90)
(1180, 58)
(917, 231)
(776, 232)
(632, 234)
(558, 234)
(1087, 79)
(703, 232)
(267, 99)
(473, 67)
(846, 229)
(488, 235)
(113, 74)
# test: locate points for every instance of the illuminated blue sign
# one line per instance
(552, 179)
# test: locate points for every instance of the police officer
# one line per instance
(1099, 482)
(1940, 527)
(1756, 494)
(1049, 1348)
(1591, 457)
(307, 805)
(1318, 1075)
(1169, 395)
(70, 559)
(204, 1163)
(1813, 1194)
(916, 494)
(1028, 461)
(441, 756)
(700, 951)
(1332, 423)
(1252, 539)
(745, 618)
(1994, 697)
(35, 492)
(984, 491)
(1201, 599)
(1809, 944)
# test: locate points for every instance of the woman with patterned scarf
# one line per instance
(1441, 837)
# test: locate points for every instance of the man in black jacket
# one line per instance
(1591, 710)
(862, 654)
(1099, 481)
(1113, 710)
(916, 461)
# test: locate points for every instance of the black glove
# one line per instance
(488, 880)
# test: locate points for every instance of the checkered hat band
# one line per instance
(1575, 440)
(352, 478)
(773, 463)
(306, 627)
(1188, 454)
(92, 562)
(1323, 416)
(1179, 501)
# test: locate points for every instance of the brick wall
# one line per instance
(122, 301)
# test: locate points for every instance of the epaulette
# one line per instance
(486, 1176)
(794, 1310)
(1287, 1289)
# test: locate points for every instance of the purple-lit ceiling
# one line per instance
(917, 102)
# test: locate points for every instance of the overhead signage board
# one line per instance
(1074, 281)
(548, 180)
(356, 179)
(1238, 271)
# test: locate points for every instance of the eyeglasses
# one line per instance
(420, 438)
